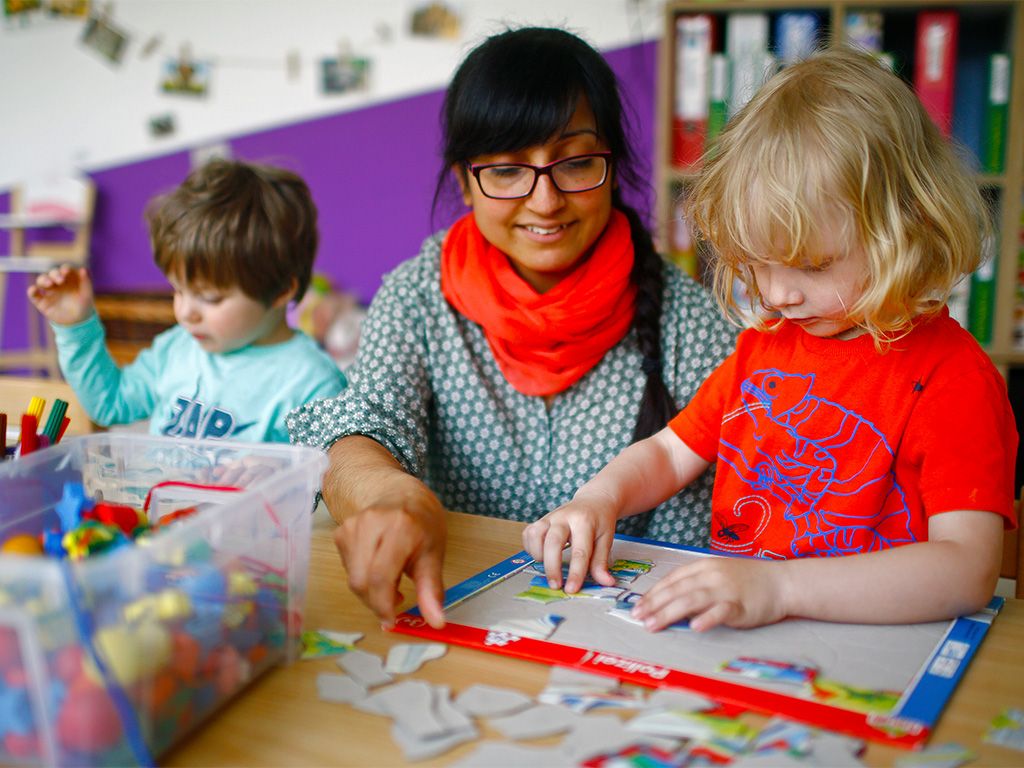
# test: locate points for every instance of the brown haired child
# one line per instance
(237, 243)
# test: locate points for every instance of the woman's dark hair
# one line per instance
(517, 90)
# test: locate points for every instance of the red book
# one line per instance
(693, 66)
(935, 64)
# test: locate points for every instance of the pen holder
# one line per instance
(112, 658)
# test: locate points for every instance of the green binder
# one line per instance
(994, 137)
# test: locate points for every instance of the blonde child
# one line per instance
(864, 442)
(237, 243)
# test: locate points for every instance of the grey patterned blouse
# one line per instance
(426, 386)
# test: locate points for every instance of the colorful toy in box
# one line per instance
(133, 665)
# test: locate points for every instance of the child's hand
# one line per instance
(63, 296)
(721, 590)
(242, 473)
(588, 523)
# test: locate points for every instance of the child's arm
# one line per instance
(109, 395)
(641, 477)
(63, 296)
(951, 574)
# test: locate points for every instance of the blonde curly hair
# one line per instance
(839, 135)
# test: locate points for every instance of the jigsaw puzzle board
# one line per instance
(885, 683)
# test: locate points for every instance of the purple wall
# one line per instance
(371, 171)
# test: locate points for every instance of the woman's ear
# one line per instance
(459, 171)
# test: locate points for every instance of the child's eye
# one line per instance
(822, 267)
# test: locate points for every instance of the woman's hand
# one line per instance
(587, 523)
(389, 523)
(63, 296)
(399, 533)
(736, 592)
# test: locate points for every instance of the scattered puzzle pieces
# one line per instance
(408, 657)
(1007, 729)
(339, 688)
(536, 722)
(937, 756)
(623, 609)
(600, 734)
(537, 628)
(367, 669)
(501, 754)
(489, 701)
(677, 698)
(319, 643)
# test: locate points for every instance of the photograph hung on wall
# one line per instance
(103, 36)
(435, 20)
(185, 76)
(344, 73)
(161, 125)
(21, 8)
(877, 682)
(27, 12)
(72, 9)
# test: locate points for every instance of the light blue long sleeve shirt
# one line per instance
(188, 392)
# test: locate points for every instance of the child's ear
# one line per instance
(459, 171)
(285, 296)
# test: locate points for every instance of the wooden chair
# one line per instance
(17, 391)
(1013, 553)
(46, 204)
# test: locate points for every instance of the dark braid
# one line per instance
(657, 405)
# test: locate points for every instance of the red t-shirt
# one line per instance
(826, 447)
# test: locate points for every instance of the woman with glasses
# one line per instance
(526, 345)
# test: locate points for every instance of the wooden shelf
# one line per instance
(1013, 357)
(998, 22)
(132, 320)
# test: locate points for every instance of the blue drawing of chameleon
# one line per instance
(830, 468)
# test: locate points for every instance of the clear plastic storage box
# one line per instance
(111, 659)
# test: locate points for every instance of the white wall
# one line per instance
(64, 105)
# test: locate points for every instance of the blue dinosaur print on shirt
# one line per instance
(812, 456)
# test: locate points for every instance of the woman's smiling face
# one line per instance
(546, 234)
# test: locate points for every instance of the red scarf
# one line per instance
(543, 342)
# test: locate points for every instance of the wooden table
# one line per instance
(279, 720)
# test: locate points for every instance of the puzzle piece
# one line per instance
(339, 688)
(367, 669)
(408, 657)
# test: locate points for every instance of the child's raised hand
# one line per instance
(63, 295)
(588, 524)
(736, 592)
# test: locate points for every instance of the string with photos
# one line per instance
(111, 37)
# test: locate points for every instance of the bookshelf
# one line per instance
(983, 28)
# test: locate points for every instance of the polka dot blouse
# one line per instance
(425, 385)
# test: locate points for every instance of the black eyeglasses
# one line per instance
(510, 181)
